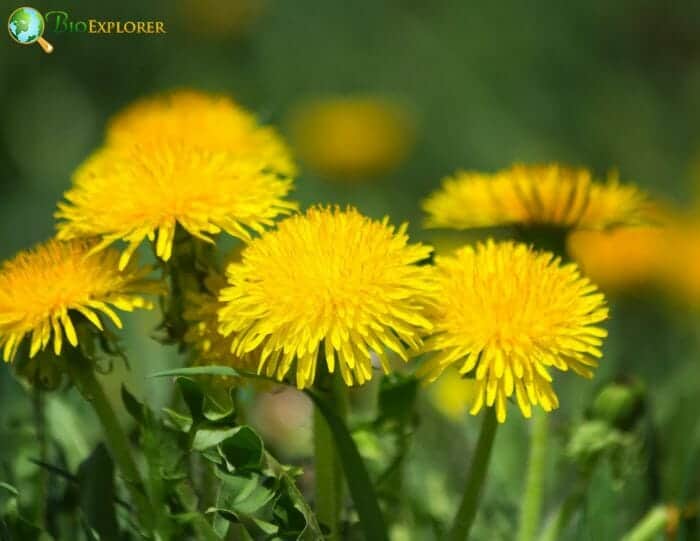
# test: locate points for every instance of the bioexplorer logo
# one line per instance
(26, 26)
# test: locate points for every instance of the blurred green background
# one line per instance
(594, 83)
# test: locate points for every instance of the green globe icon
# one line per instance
(26, 26)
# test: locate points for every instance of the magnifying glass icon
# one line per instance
(26, 26)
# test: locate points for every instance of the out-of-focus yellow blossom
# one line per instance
(680, 261)
(534, 195)
(197, 120)
(330, 283)
(452, 394)
(623, 258)
(42, 291)
(505, 315)
(353, 137)
(214, 18)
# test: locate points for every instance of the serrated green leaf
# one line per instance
(181, 422)
(193, 397)
(205, 438)
(201, 525)
(243, 494)
(198, 371)
(244, 449)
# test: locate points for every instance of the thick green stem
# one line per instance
(477, 473)
(328, 468)
(534, 483)
(82, 372)
(651, 525)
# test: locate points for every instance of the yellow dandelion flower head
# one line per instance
(330, 281)
(144, 192)
(191, 119)
(624, 258)
(535, 195)
(210, 347)
(352, 137)
(40, 288)
(505, 315)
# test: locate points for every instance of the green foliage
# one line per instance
(97, 492)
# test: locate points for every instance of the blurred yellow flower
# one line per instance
(537, 195)
(210, 347)
(504, 315)
(214, 18)
(453, 394)
(680, 261)
(623, 258)
(43, 289)
(332, 282)
(195, 120)
(352, 137)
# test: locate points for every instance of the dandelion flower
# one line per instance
(534, 195)
(210, 347)
(505, 315)
(352, 137)
(193, 119)
(187, 159)
(42, 290)
(332, 282)
(131, 194)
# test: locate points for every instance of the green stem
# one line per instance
(328, 467)
(40, 423)
(651, 525)
(82, 373)
(558, 523)
(472, 491)
(534, 482)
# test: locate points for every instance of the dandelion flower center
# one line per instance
(39, 287)
(333, 278)
(505, 315)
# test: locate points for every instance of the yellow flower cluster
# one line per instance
(327, 286)
(534, 195)
(185, 159)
